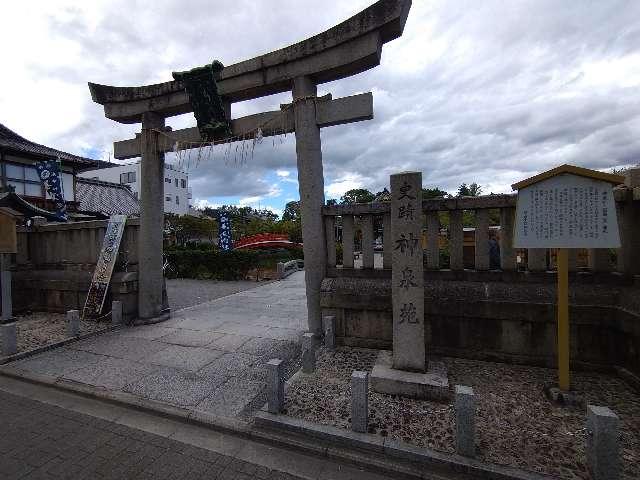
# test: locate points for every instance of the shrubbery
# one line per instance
(200, 262)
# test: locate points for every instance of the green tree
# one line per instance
(434, 192)
(291, 211)
(357, 195)
(472, 190)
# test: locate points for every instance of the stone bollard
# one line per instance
(465, 421)
(275, 385)
(602, 443)
(280, 267)
(359, 401)
(308, 353)
(9, 332)
(73, 323)
(116, 312)
(329, 327)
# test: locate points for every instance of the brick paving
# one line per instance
(41, 441)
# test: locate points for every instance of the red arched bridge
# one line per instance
(265, 240)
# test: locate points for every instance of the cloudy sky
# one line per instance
(489, 91)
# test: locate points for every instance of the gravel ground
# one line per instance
(38, 329)
(515, 423)
(186, 292)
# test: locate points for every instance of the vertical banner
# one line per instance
(224, 232)
(104, 267)
(49, 172)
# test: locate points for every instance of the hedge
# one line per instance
(222, 265)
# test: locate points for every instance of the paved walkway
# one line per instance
(51, 434)
(207, 358)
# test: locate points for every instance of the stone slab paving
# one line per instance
(208, 357)
(52, 434)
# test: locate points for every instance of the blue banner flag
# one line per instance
(224, 232)
(49, 173)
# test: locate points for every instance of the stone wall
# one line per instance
(55, 263)
(503, 316)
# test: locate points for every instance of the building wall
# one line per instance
(176, 184)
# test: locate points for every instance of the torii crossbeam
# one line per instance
(346, 49)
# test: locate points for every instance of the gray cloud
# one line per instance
(474, 91)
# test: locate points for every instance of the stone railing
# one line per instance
(468, 247)
(287, 268)
(480, 306)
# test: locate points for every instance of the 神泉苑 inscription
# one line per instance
(409, 351)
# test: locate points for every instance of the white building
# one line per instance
(176, 183)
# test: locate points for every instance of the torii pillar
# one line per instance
(349, 48)
(311, 186)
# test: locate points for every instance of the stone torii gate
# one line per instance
(346, 49)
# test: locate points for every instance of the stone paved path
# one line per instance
(208, 358)
(52, 434)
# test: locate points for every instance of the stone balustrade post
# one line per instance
(9, 332)
(73, 323)
(599, 260)
(603, 456)
(366, 225)
(507, 252)
(456, 240)
(629, 219)
(359, 401)
(465, 409)
(330, 232)
(482, 239)
(308, 353)
(347, 241)
(433, 240)
(116, 312)
(537, 259)
(275, 385)
(329, 325)
(387, 242)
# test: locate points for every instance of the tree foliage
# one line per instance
(472, 190)
(357, 195)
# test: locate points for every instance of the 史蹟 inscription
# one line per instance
(407, 272)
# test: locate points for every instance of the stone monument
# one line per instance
(407, 372)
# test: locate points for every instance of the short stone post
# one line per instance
(73, 323)
(465, 421)
(329, 326)
(9, 332)
(116, 312)
(5, 286)
(275, 385)
(359, 401)
(602, 443)
(308, 353)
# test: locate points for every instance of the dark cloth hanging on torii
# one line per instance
(201, 87)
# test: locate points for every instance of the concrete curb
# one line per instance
(393, 449)
(52, 346)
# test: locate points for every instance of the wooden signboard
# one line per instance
(8, 236)
(104, 268)
(566, 207)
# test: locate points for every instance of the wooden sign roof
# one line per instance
(572, 169)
